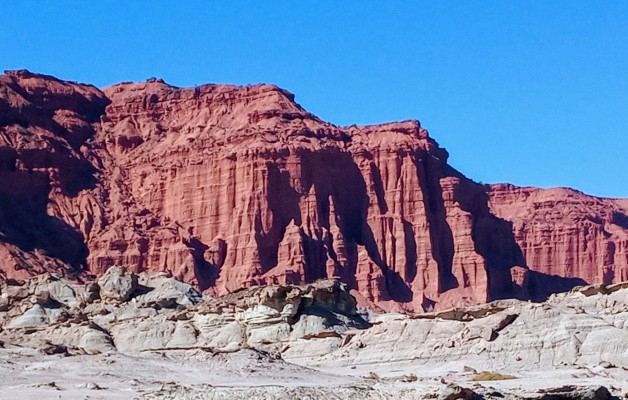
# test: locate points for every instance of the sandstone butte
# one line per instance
(228, 187)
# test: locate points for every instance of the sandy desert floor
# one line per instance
(249, 374)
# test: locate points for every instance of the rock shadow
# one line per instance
(283, 201)
(27, 177)
(540, 286)
(429, 171)
(492, 237)
(25, 223)
(494, 240)
(335, 175)
(205, 272)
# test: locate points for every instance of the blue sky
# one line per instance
(529, 92)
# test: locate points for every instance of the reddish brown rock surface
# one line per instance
(565, 232)
(227, 186)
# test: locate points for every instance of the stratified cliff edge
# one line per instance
(565, 232)
(227, 187)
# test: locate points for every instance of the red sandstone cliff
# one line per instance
(229, 186)
(565, 232)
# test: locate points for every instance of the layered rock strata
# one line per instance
(228, 187)
(563, 232)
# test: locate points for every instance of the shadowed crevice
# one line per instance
(411, 251)
(441, 237)
(25, 223)
(541, 286)
(205, 272)
(493, 238)
(335, 175)
(378, 188)
(283, 201)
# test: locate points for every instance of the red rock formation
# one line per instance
(565, 232)
(43, 124)
(229, 186)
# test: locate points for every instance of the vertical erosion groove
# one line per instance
(441, 237)
(283, 202)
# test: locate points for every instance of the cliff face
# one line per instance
(44, 124)
(274, 195)
(564, 232)
(227, 187)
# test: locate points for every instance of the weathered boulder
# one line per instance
(166, 291)
(33, 317)
(117, 283)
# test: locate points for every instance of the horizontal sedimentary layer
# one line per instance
(228, 187)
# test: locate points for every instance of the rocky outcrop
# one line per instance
(563, 232)
(44, 123)
(226, 187)
(586, 326)
(117, 283)
(309, 335)
(130, 313)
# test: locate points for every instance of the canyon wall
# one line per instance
(565, 232)
(228, 187)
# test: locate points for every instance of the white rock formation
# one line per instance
(578, 338)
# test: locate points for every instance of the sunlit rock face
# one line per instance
(228, 187)
(566, 233)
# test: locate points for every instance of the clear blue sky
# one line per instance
(530, 92)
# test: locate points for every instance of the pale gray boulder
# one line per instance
(117, 283)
